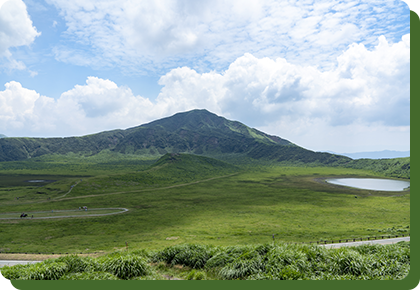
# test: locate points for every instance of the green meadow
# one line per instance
(186, 199)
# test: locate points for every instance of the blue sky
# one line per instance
(326, 75)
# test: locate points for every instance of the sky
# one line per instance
(327, 75)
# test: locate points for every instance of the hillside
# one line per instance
(397, 167)
(198, 132)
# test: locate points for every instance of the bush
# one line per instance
(78, 264)
(14, 272)
(226, 255)
(241, 268)
(196, 275)
(125, 266)
(194, 256)
(45, 271)
(350, 262)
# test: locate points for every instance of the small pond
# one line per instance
(371, 183)
(40, 181)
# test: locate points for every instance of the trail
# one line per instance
(142, 190)
(71, 188)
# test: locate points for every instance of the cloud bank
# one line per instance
(367, 91)
(154, 36)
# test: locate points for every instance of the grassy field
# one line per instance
(199, 262)
(189, 200)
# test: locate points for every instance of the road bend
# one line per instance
(382, 242)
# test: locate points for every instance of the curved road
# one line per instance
(382, 242)
(69, 216)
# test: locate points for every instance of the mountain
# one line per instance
(394, 167)
(198, 132)
(3, 136)
(377, 154)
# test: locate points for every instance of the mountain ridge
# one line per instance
(384, 154)
(197, 132)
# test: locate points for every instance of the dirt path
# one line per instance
(40, 257)
(71, 188)
(143, 190)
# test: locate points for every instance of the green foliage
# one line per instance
(242, 267)
(252, 262)
(125, 266)
(77, 264)
(196, 275)
(89, 276)
(191, 255)
(396, 167)
(47, 270)
(14, 272)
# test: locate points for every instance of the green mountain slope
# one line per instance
(396, 167)
(191, 166)
(13, 149)
(175, 168)
(197, 132)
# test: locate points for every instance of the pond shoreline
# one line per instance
(376, 184)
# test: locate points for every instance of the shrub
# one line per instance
(241, 268)
(350, 262)
(125, 266)
(78, 264)
(14, 272)
(196, 275)
(226, 255)
(280, 257)
(194, 256)
(45, 271)
(220, 259)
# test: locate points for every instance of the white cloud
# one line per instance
(154, 36)
(98, 105)
(15, 30)
(368, 91)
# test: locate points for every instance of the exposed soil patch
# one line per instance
(41, 257)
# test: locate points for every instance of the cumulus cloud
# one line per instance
(98, 105)
(367, 91)
(16, 30)
(367, 86)
(154, 36)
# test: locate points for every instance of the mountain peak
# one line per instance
(199, 132)
(202, 121)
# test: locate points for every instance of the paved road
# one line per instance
(382, 242)
(338, 245)
(15, 262)
(67, 216)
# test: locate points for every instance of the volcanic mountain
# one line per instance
(197, 132)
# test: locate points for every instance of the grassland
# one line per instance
(187, 199)
(200, 262)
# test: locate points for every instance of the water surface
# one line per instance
(371, 183)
